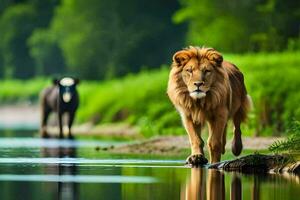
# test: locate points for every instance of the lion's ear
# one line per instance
(180, 58)
(216, 57)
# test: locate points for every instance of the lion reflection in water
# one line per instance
(211, 187)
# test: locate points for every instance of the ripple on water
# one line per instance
(52, 143)
(78, 178)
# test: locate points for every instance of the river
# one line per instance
(34, 168)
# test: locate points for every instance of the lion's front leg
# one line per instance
(216, 138)
(197, 157)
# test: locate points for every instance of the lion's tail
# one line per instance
(246, 106)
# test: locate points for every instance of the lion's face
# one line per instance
(198, 69)
(198, 77)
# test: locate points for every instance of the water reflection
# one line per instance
(236, 188)
(211, 187)
(215, 185)
(65, 190)
(256, 188)
(33, 168)
(195, 186)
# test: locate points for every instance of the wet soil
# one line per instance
(178, 144)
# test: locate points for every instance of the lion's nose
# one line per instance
(199, 83)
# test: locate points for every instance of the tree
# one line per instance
(103, 39)
(239, 26)
(46, 54)
(18, 20)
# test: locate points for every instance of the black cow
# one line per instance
(62, 97)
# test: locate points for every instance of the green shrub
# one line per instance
(13, 91)
(137, 99)
(273, 82)
(141, 100)
(292, 143)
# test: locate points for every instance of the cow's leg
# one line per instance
(60, 124)
(44, 118)
(70, 122)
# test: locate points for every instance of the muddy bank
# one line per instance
(178, 144)
(108, 130)
(254, 163)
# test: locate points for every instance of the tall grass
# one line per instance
(13, 91)
(137, 99)
(271, 79)
(292, 143)
(273, 82)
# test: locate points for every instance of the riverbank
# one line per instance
(27, 115)
(172, 145)
(20, 116)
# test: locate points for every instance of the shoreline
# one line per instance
(28, 114)
(172, 145)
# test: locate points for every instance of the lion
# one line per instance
(205, 88)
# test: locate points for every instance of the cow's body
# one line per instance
(61, 98)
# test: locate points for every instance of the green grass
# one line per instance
(13, 91)
(271, 79)
(273, 82)
(291, 144)
(137, 99)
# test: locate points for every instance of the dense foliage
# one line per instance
(141, 100)
(271, 79)
(101, 39)
(239, 26)
(292, 143)
(273, 82)
(18, 20)
(88, 38)
(105, 39)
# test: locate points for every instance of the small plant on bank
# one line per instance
(292, 143)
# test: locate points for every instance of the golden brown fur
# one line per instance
(203, 87)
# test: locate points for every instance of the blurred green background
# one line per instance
(122, 50)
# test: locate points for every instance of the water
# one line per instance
(33, 168)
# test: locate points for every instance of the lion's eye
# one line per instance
(207, 71)
(190, 70)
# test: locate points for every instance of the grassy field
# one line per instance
(141, 100)
(14, 91)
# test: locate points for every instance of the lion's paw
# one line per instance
(196, 160)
